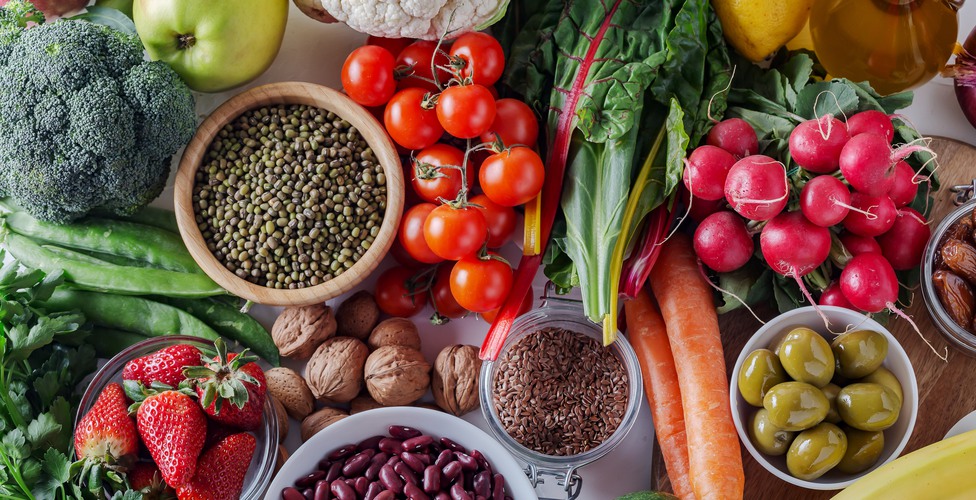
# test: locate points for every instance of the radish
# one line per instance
(904, 244)
(734, 135)
(698, 208)
(706, 170)
(833, 296)
(856, 244)
(870, 215)
(722, 242)
(825, 201)
(904, 189)
(871, 122)
(756, 187)
(793, 246)
(868, 165)
(816, 144)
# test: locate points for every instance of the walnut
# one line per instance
(282, 457)
(299, 330)
(357, 315)
(395, 331)
(363, 403)
(455, 380)
(335, 372)
(289, 388)
(397, 375)
(282, 416)
(320, 420)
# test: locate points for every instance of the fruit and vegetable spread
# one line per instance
(954, 276)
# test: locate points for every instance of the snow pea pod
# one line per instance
(155, 217)
(230, 322)
(131, 314)
(112, 278)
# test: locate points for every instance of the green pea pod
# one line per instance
(94, 257)
(230, 322)
(130, 314)
(155, 217)
(108, 342)
(157, 247)
(125, 280)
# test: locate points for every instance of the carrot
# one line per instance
(692, 325)
(646, 332)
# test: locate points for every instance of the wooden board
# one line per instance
(947, 390)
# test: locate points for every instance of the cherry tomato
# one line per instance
(403, 258)
(481, 285)
(444, 182)
(526, 306)
(501, 220)
(441, 296)
(453, 233)
(512, 177)
(367, 75)
(514, 123)
(418, 56)
(466, 111)
(483, 55)
(396, 294)
(411, 234)
(408, 123)
(394, 45)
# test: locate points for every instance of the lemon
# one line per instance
(757, 28)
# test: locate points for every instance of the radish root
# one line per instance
(866, 213)
(737, 201)
(944, 356)
(806, 293)
(827, 117)
(708, 111)
(701, 270)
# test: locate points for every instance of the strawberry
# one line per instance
(217, 432)
(165, 365)
(173, 428)
(107, 430)
(145, 478)
(221, 470)
(231, 388)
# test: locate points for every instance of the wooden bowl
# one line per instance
(289, 93)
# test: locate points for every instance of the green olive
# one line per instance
(830, 391)
(863, 450)
(795, 406)
(760, 371)
(859, 352)
(884, 377)
(806, 357)
(867, 406)
(815, 451)
(768, 438)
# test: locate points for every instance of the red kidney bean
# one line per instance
(403, 432)
(458, 493)
(309, 480)
(390, 480)
(343, 491)
(414, 492)
(444, 458)
(390, 445)
(432, 479)
(369, 443)
(417, 443)
(308, 493)
(373, 471)
(379, 458)
(442, 496)
(467, 462)
(357, 463)
(451, 471)
(335, 470)
(343, 452)
(360, 484)
(482, 461)
(322, 490)
(373, 490)
(507, 497)
(393, 461)
(385, 495)
(413, 461)
(498, 487)
(479, 497)
(451, 445)
(425, 458)
(482, 483)
(324, 464)
(351, 483)
(290, 493)
(405, 472)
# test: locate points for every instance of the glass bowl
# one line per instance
(569, 317)
(260, 473)
(958, 336)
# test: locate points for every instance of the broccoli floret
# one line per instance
(86, 123)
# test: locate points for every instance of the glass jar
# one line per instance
(261, 471)
(569, 316)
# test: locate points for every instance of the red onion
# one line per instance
(964, 72)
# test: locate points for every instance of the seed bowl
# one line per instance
(283, 94)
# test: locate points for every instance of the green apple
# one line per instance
(214, 45)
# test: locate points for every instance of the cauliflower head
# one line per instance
(424, 19)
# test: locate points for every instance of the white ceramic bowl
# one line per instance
(374, 422)
(896, 436)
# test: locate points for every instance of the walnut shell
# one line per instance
(289, 388)
(281, 458)
(282, 417)
(335, 371)
(320, 420)
(397, 375)
(357, 315)
(299, 330)
(395, 331)
(363, 403)
(455, 380)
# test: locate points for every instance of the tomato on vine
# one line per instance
(501, 220)
(411, 234)
(483, 57)
(367, 75)
(398, 293)
(514, 124)
(417, 57)
(440, 294)
(453, 232)
(512, 177)
(394, 45)
(481, 284)
(466, 111)
(410, 121)
(432, 183)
